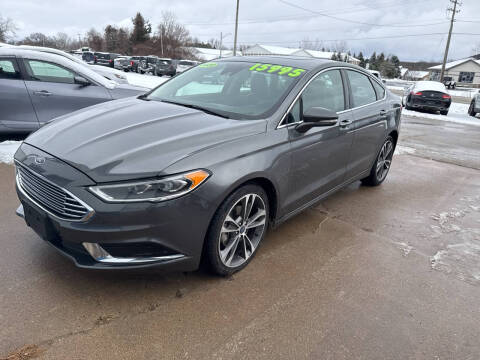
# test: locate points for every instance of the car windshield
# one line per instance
(238, 90)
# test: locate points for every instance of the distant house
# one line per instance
(403, 72)
(258, 50)
(464, 72)
(416, 75)
(206, 54)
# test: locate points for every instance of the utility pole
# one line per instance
(161, 40)
(221, 40)
(445, 56)
(236, 31)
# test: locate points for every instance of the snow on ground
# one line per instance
(7, 150)
(145, 80)
(458, 113)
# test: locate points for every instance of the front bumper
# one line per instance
(168, 234)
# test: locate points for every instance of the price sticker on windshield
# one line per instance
(278, 69)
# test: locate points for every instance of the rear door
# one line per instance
(369, 110)
(319, 156)
(54, 93)
(16, 109)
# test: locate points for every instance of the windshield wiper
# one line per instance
(143, 97)
(196, 107)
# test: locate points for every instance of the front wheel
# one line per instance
(444, 112)
(237, 229)
(382, 164)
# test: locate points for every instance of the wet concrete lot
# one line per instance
(391, 272)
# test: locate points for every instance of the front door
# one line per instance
(54, 92)
(319, 156)
(16, 109)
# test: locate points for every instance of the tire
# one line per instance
(471, 109)
(227, 250)
(376, 177)
(444, 112)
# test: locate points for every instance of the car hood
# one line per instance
(132, 138)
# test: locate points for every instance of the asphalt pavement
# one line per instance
(390, 272)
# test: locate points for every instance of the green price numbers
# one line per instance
(278, 69)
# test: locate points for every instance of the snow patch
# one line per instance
(7, 150)
(145, 80)
(401, 150)
(405, 248)
(458, 113)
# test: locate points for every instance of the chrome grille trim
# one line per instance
(50, 197)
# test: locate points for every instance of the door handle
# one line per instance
(383, 113)
(42, 93)
(345, 123)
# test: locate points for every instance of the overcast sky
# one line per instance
(274, 22)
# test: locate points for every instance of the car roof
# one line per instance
(43, 55)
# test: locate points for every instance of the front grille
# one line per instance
(51, 197)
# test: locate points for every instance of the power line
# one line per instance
(370, 38)
(313, 15)
(353, 21)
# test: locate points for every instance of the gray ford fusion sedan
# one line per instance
(200, 167)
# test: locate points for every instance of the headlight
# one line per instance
(151, 190)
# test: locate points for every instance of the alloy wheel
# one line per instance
(242, 230)
(384, 160)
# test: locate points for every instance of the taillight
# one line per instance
(418, 93)
(446, 96)
(131, 63)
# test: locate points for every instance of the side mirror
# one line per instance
(316, 117)
(80, 80)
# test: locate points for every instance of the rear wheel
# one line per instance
(237, 229)
(380, 168)
(471, 109)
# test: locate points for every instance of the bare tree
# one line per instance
(308, 44)
(95, 40)
(171, 37)
(7, 29)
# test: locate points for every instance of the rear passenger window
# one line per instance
(45, 71)
(9, 69)
(379, 89)
(326, 91)
(363, 92)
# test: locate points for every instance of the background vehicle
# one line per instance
(427, 95)
(234, 157)
(165, 67)
(377, 75)
(183, 65)
(474, 108)
(148, 64)
(135, 61)
(449, 82)
(107, 72)
(88, 57)
(36, 87)
(106, 59)
(122, 63)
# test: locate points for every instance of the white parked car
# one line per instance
(108, 73)
(183, 65)
(376, 74)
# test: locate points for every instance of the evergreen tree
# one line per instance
(373, 61)
(360, 57)
(141, 29)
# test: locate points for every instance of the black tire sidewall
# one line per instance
(212, 238)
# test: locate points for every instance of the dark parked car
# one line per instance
(165, 67)
(105, 59)
(474, 107)
(36, 87)
(135, 62)
(148, 64)
(197, 168)
(449, 82)
(88, 57)
(427, 95)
